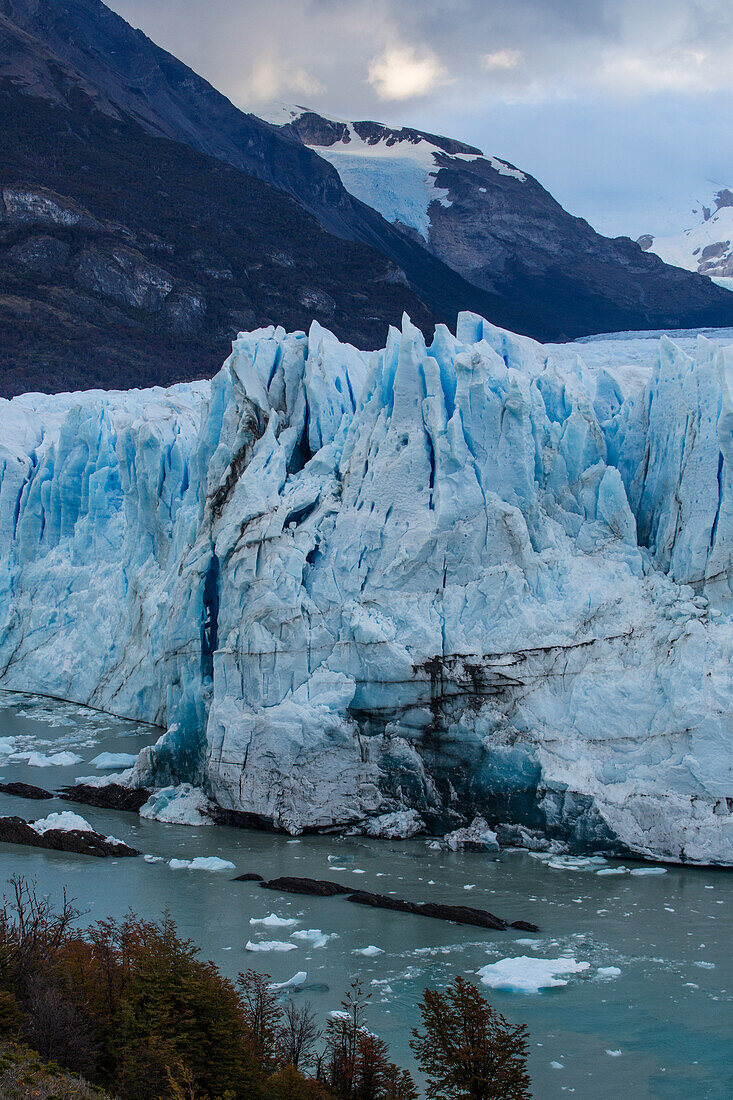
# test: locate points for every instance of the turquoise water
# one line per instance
(667, 1017)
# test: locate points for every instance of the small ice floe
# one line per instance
(181, 805)
(7, 746)
(470, 886)
(56, 759)
(614, 1053)
(154, 859)
(273, 921)
(569, 863)
(608, 972)
(476, 837)
(121, 778)
(357, 871)
(640, 872)
(529, 975)
(296, 982)
(369, 952)
(113, 761)
(66, 822)
(314, 936)
(401, 825)
(270, 945)
(704, 965)
(557, 1065)
(613, 871)
(201, 863)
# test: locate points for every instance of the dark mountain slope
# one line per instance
(133, 78)
(129, 260)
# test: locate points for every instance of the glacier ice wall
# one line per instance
(470, 577)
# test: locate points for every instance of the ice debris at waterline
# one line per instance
(473, 578)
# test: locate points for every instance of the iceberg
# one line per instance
(475, 577)
(527, 974)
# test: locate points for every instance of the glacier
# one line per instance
(475, 577)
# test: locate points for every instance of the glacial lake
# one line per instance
(662, 1027)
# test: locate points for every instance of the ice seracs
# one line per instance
(474, 577)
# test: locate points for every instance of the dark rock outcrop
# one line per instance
(14, 830)
(25, 790)
(319, 888)
(459, 914)
(113, 796)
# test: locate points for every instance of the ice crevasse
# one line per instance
(472, 577)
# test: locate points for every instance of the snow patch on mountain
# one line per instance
(477, 577)
(391, 170)
(706, 247)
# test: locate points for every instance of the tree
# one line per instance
(299, 1034)
(342, 1041)
(263, 1015)
(356, 1065)
(467, 1050)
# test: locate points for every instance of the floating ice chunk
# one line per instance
(182, 805)
(614, 1053)
(529, 975)
(613, 871)
(295, 982)
(705, 965)
(273, 921)
(476, 837)
(314, 936)
(113, 761)
(201, 863)
(557, 1065)
(121, 778)
(569, 863)
(470, 886)
(643, 871)
(607, 972)
(396, 826)
(56, 759)
(211, 863)
(66, 821)
(369, 952)
(270, 945)
(154, 859)
(7, 746)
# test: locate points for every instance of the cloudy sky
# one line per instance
(622, 108)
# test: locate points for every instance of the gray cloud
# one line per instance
(621, 107)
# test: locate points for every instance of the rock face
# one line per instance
(25, 790)
(478, 577)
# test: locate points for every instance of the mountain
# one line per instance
(478, 576)
(212, 183)
(128, 79)
(707, 247)
(501, 230)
